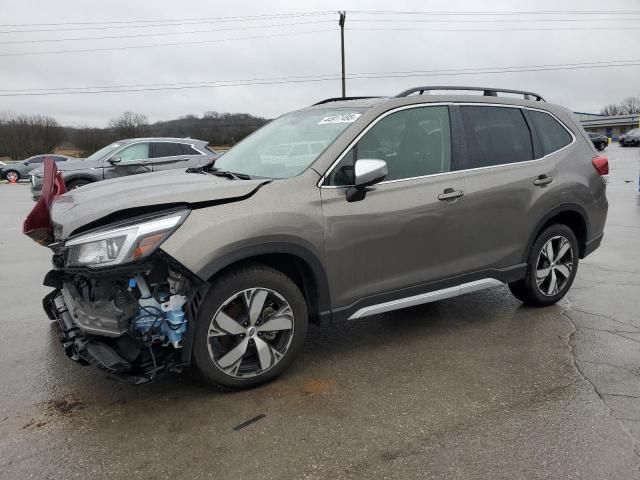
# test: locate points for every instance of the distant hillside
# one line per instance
(216, 128)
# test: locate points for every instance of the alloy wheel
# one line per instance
(12, 176)
(251, 332)
(554, 266)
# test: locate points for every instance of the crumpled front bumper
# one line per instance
(79, 347)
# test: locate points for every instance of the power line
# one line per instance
(129, 47)
(165, 20)
(496, 20)
(514, 29)
(494, 13)
(164, 34)
(332, 77)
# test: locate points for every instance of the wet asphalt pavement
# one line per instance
(473, 387)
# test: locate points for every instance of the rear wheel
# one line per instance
(77, 184)
(12, 176)
(250, 327)
(552, 267)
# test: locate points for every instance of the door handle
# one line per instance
(542, 180)
(450, 194)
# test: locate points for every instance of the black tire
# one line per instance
(600, 147)
(8, 172)
(225, 287)
(73, 184)
(527, 289)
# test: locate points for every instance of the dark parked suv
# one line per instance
(411, 199)
(130, 157)
(631, 138)
(599, 140)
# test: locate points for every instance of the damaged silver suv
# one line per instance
(345, 209)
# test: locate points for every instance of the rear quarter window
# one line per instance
(551, 133)
(496, 136)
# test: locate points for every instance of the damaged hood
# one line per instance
(154, 191)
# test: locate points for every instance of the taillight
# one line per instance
(601, 164)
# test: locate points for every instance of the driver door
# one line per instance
(404, 233)
(131, 160)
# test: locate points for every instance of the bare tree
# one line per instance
(130, 124)
(631, 105)
(612, 109)
(22, 136)
(90, 140)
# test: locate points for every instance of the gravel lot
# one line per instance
(474, 387)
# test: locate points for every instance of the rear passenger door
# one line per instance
(509, 182)
(167, 156)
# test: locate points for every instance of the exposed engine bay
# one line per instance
(130, 324)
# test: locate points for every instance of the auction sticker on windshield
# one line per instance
(341, 118)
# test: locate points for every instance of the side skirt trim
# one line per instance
(427, 297)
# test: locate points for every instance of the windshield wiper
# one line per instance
(226, 173)
(202, 168)
(209, 168)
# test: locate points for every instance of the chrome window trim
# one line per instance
(428, 297)
(153, 140)
(417, 105)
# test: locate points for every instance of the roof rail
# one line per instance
(340, 99)
(488, 91)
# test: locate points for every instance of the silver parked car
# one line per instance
(412, 199)
(130, 157)
(14, 171)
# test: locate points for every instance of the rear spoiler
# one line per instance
(37, 225)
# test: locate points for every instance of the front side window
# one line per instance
(496, 136)
(104, 151)
(552, 135)
(286, 146)
(139, 151)
(35, 160)
(413, 142)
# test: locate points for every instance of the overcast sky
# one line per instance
(398, 44)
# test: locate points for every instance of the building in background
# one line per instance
(612, 126)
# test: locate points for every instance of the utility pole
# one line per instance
(343, 16)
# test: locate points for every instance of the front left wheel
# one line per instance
(250, 327)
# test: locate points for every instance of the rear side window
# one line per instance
(166, 149)
(552, 135)
(189, 150)
(496, 136)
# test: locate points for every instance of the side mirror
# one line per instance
(367, 172)
(115, 160)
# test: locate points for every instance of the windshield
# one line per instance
(104, 151)
(286, 146)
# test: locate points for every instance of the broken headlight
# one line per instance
(124, 243)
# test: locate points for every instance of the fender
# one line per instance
(562, 208)
(290, 248)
